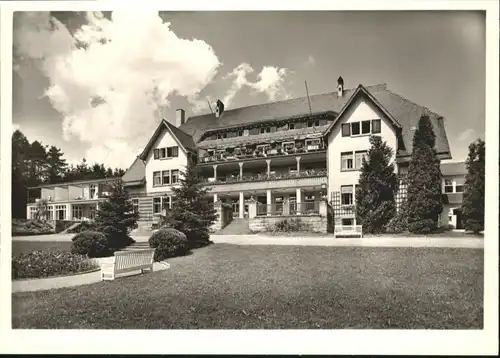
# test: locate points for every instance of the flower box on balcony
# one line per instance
(312, 147)
(272, 152)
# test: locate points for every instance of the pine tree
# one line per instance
(473, 202)
(424, 181)
(20, 149)
(378, 182)
(192, 213)
(55, 165)
(116, 217)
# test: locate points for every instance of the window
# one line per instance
(175, 176)
(172, 152)
(309, 198)
(240, 133)
(245, 133)
(77, 212)
(92, 212)
(291, 126)
(135, 205)
(166, 203)
(33, 211)
(93, 191)
(156, 178)
(346, 192)
(347, 161)
(165, 177)
(346, 130)
(50, 212)
(365, 127)
(169, 152)
(459, 188)
(221, 136)
(265, 130)
(60, 212)
(376, 126)
(359, 159)
(287, 146)
(313, 123)
(157, 205)
(355, 130)
(448, 186)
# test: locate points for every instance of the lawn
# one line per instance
(19, 247)
(252, 287)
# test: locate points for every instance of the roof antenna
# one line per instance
(209, 106)
(309, 102)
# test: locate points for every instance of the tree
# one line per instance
(116, 217)
(55, 165)
(20, 149)
(378, 183)
(41, 209)
(473, 202)
(36, 163)
(424, 181)
(192, 213)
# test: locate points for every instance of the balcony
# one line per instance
(66, 197)
(263, 181)
(264, 151)
(288, 208)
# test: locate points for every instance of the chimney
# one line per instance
(180, 117)
(219, 108)
(340, 86)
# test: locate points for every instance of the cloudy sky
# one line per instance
(96, 84)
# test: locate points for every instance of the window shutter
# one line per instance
(156, 153)
(376, 126)
(346, 130)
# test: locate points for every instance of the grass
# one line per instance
(251, 287)
(20, 247)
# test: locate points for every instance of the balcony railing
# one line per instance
(263, 153)
(288, 208)
(67, 197)
(264, 176)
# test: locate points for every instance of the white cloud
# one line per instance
(467, 135)
(111, 77)
(270, 81)
(15, 127)
(311, 61)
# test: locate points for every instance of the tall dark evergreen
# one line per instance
(424, 181)
(20, 152)
(375, 192)
(193, 212)
(37, 164)
(116, 217)
(473, 201)
(55, 165)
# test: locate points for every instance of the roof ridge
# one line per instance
(382, 85)
(415, 104)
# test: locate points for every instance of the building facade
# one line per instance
(285, 157)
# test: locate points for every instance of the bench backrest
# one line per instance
(350, 228)
(133, 258)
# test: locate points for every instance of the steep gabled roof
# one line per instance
(135, 174)
(184, 140)
(403, 111)
(359, 92)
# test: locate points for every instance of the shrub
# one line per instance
(91, 244)
(38, 264)
(22, 227)
(289, 225)
(84, 226)
(168, 243)
(397, 225)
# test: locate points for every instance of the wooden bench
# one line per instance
(348, 230)
(127, 261)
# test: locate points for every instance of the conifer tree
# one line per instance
(116, 217)
(424, 181)
(473, 202)
(375, 192)
(192, 212)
